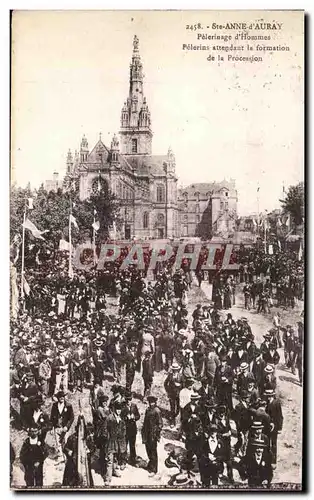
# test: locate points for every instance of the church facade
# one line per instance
(146, 184)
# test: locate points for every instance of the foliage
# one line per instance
(293, 204)
(51, 212)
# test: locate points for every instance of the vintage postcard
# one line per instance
(157, 250)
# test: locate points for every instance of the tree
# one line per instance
(293, 204)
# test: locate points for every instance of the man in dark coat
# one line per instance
(131, 415)
(243, 419)
(193, 430)
(130, 366)
(256, 465)
(61, 417)
(116, 442)
(223, 383)
(173, 385)
(211, 462)
(151, 431)
(148, 373)
(274, 410)
(32, 456)
(28, 393)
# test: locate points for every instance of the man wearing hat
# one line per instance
(258, 370)
(147, 373)
(223, 382)
(274, 410)
(39, 418)
(224, 431)
(130, 365)
(101, 434)
(151, 431)
(131, 415)
(61, 369)
(244, 377)
(271, 356)
(116, 442)
(61, 417)
(32, 456)
(97, 361)
(173, 385)
(44, 374)
(211, 460)
(28, 393)
(243, 419)
(256, 465)
(192, 429)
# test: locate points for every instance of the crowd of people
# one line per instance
(218, 380)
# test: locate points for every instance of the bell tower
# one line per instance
(135, 132)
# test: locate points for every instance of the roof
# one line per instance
(148, 164)
(204, 188)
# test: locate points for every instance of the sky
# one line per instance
(244, 121)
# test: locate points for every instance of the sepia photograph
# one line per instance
(157, 250)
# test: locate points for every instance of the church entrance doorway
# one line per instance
(160, 233)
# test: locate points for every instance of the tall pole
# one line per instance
(94, 240)
(23, 254)
(166, 205)
(70, 241)
(258, 221)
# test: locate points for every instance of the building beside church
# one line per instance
(208, 209)
(146, 184)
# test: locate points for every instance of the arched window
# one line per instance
(185, 196)
(99, 185)
(160, 193)
(160, 219)
(145, 220)
(197, 196)
(185, 230)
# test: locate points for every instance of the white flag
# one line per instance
(254, 223)
(73, 221)
(279, 224)
(30, 203)
(26, 287)
(279, 245)
(33, 229)
(270, 250)
(288, 221)
(96, 225)
(300, 252)
(64, 245)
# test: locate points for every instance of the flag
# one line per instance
(254, 223)
(279, 224)
(300, 252)
(270, 250)
(64, 245)
(26, 287)
(73, 221)
(33, 229)
(30, 203)
(14, 293)
(96, 225)
(266, 225)
(288, 221)
(279, 245)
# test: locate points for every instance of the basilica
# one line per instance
(152, 206)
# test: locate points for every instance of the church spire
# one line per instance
(135, 132)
